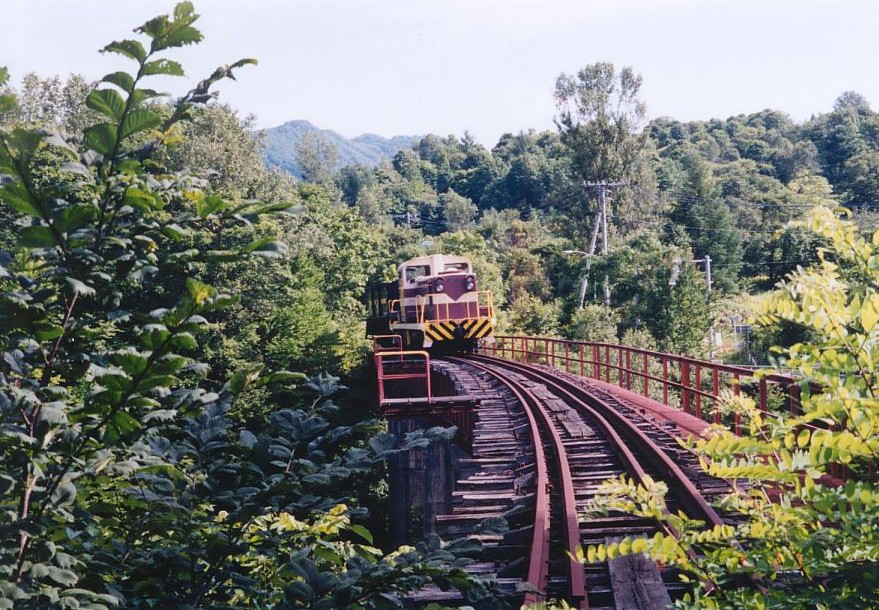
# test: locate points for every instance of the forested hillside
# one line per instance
(177, 319)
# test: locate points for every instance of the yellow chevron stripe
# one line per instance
(484, 329)
(478, 328)
(443, 331)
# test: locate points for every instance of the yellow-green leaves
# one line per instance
(869, 313)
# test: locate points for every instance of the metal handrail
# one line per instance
(421, 305)
(397, 341)
(686, 379)
(382, 356)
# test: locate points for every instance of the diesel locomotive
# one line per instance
(435, 302)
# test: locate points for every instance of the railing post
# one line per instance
(645, 368)
(580, 352)
(596, 372)
(567, 357)
(685, 385)
(607, 362)
(628, 369)
(793, 393)
(698, 385)
(379, 369)
(715, 390)
(763, 394)
(546, 346)
(664, 380)
(737, 390)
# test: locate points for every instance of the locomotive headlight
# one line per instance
(470, 282)
(438, 287)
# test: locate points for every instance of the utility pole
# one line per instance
(711, 338)
(602, 188)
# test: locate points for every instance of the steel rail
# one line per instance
(688, 494)
(540, 561)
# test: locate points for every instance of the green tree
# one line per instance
(458, 212)
(681, 320)
(529, 315)
(594, 322)
(600, 120)
(316, 157)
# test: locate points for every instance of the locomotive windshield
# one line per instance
(456, 267)
(417, 271)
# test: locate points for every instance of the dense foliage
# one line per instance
(148, 464)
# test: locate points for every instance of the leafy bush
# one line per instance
(125, 482)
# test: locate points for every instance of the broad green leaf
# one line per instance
(139, 120)
(123, 80)
(37, 236)
(124, 423)
(184, 341)
(167, 33)
(74, 216)
(173, 231)
(101, 137)
(163, 66)
(142, 200)
(206, 206)
(72, 167)
(128, 48)
(268, 247)
(16, 196)
(62, 577)
(362, 532)
(24, 142)
(106, 101)
(139, 95)
(79, 288)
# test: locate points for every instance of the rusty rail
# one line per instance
(540, 545)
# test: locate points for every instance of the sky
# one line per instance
(411, 67)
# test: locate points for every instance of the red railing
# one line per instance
(678, 381)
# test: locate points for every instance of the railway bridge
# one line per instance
(541, 424)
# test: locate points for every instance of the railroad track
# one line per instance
(542, 445)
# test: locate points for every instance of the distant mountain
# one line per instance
(368, 149)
